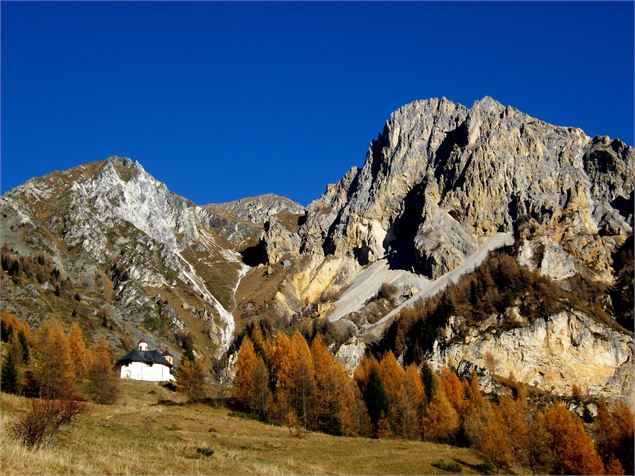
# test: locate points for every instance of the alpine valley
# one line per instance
(478, 238)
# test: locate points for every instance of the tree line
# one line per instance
(284, 379)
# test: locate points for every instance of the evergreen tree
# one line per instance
(260, 397)
(9, 381)
(376, 399)
(24, 346)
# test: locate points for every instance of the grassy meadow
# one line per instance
(139, 436)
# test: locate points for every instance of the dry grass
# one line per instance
(137, 436)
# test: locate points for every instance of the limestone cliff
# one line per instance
(440, 177)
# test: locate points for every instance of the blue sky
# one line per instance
(225, 100)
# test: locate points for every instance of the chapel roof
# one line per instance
(145, 356)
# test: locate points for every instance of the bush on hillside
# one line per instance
(40, 426)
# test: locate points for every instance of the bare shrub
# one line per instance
(39, 427)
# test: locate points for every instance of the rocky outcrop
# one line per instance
(551, 353)
(241, 221)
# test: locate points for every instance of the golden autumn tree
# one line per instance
(103, 384)
(302, 390)
(190, 379)
(334, 394)
(55, 365)
(492, 438)
(515, 420)
(440, 420)
(363, 371)
(412, 401)
(540, 455)
(623, 418)
(613, 432)
(392, 378)
(17, 333)
(78, 350)
(573, 448)
(282, 367)
(244, 377)
(614, 467)
(454, 390)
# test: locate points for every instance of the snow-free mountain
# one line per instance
(444, 190)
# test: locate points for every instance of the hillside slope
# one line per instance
(138, 436)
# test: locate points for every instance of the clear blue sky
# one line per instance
(225, 100)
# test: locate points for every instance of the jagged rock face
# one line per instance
(441, 177)
(279, 242)
(551, 353)
(241, 221)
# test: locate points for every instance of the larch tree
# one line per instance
(103, 384)
(429, 382)
(440, 420)
(453, 390)
(334, 395)
(540, 456)
(363, 370)
(282, 366)
(190, 379)
(614, 467)
(514, 418)
(573, 447)
(260, 397)
(623, 418)
(392, 378)
(493, 439)
(302, 390)
(613, 432)
(412, 403)
(244, 377)
(605, 432)
(56, 372)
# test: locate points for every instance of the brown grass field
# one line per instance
(139, 436)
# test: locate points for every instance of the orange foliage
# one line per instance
(334, 396)
(78, 350)
(56, 368)
(440, 420)
(573, 448)
(244, 378)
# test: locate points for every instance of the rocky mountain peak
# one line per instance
(441, 178)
